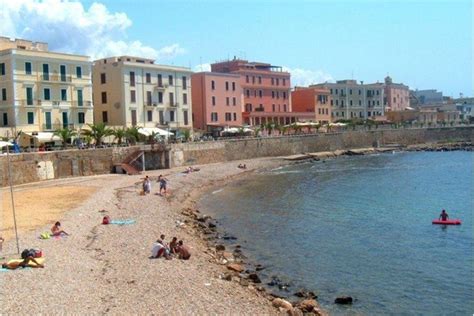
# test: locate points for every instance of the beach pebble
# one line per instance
(343, 300)
(220, 247)
(255, 278)
(235, 267)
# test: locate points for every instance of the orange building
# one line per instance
(313, 100)
(266, 90)
(217, 101)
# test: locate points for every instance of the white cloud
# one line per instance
(304, 77)
(69, 27)
(202, 67)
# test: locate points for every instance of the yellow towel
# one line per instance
(31, 263)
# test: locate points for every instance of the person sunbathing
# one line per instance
(57, 231)
(27, 257)
(183, 251)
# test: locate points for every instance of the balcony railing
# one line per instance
(56, 78)
(161, 86)
(173, 104)
(56, 126)
(86, 104)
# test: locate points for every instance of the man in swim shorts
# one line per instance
(443, 216)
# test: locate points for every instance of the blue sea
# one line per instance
(361, 227)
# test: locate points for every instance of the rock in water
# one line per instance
(235, 267)
(343, 300)
(254, 277)
(220, 247)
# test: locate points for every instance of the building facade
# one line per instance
(132, 91)
(42, 90)
(266, 90)
(217, 101)
(313, 100)
(397, 95)
(351, 100)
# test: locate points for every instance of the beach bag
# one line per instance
(45, 235)
(106, 220)
(37, 253)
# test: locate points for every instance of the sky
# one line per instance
(423, 44)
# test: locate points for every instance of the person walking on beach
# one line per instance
(146, 185)
(162, 180)
(57, 231)
(443, 216)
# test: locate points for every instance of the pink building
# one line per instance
(217, 101)
(397, 95)
(266, 89)
(314, 100)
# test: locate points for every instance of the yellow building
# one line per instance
(133, 91)
(42, 90)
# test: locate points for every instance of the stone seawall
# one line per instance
(32, 167)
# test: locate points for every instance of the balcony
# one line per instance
(173, 104)
(29, 102)
(53, 127)
(56, 78)
(85, 104)
(162, 86)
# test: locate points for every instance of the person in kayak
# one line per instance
(443, 216)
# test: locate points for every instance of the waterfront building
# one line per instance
(351, 100)
(313, 100)
(429, 96)
(41, 90)
(397, 95)
(133, 91)
(217, 101)
(266, 91)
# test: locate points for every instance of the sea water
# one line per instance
(361, 226)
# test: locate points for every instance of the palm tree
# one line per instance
(119, 134)
(132, 134)
(186, 134)
(97, 132)
(257, 131)
(65, 134)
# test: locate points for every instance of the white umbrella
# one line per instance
(3, 144)
(148, 131)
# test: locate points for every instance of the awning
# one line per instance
(45, 137)
(148, 131)
(337, 124)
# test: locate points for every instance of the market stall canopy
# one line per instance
(148, 131)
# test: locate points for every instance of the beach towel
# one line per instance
(31, 264)
(122, 221)
(45, 235)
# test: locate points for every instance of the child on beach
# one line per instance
(57, 231)
(146, 185)
(162, 180)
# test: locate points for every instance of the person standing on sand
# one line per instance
(162, 180)
(146, 185)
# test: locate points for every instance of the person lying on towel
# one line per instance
(27, 261)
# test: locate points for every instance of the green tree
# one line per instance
(119, 134)
(132, 134)
(97, 132)
(187, 134)
(65, 134)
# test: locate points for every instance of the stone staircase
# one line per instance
(129, 165)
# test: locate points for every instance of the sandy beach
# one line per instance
(105, 268)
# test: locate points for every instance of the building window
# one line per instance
(248, 93)
(213, 100)
(132, 78)
(260, 93)
(235, 116)
(28, 68)
(228, 116)
(259, 79)
(273, 94)
(2, 70)
(332, 102)
(29, 96)
(378, 92)
(233, 86)
(79, 72)
(214, 117)
(331, 91)
(378, 102)
(160, 97)
(342, 102)
(278, 94)
(360, 102)
(62, 71)
(253, 79)
(284, 95)
(350, 91)
(185, 82)
(45, 72)
(80, 101)
(63, 94)
(46, 94)
(171, 96)
(105, 117)
(103, 78)
(170, 80)
(104, 97)
(81, 118)
(160, 81)
(161, 117)
(133, 96)
(273, 107)
(273, 81)
(319, 111)
(246, 77)
(234, 101)
(277, 81)
(227, 101)
(350, 102)
(149, 115)
(185, 98)
(213, 85)
(336, 91)
(284, 81)
(185, 117)
(31, 117)
(171, 116)
(227, 86)
(337, 102)
(5, 118)
(284, 107)
(148, 98)
(4, 94)
(360, 92)
(148, 77)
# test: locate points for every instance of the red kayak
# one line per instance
(447, 222)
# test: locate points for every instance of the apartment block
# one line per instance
(350, 100)
(41, 90)
(133, 91)
(313, 100)
(397, 95)
(217, 101)
(266, 90)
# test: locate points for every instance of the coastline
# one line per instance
(104, 269)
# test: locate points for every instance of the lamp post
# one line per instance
(12, 199)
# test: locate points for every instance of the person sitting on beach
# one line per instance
(443, 216)
(174, 245)
(146, 185)
(57, 231)
(162, 180)
(159, 250)
(183, 251)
